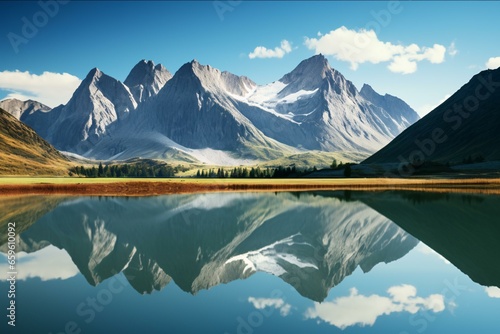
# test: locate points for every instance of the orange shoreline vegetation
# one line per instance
(153, 187)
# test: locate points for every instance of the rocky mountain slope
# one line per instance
(217, 117)
(146, 79)
(465, 125)
(22, 109)
(24, 152)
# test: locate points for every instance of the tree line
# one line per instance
(125, 170)
(339, 165)
(254, 172)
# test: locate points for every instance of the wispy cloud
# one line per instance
(48, 88)
(361, 46)
(277, 303)
(452, 49)
(357, 309)
(278, 52)
(493, 63)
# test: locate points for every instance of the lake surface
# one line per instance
(316, 262)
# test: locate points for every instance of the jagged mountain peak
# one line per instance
(314, 107)
(397, 108)
(141, 70)
(93, 73)
(214, 80)
(315, 66)
(372, 95)
(315, 73)
(147, 62)
(21, 109)
(367, 89)
(97, 103)
(97, 83)
(160, 67)
(146, 79)
(194, 66)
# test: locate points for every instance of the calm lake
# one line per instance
(303, 262)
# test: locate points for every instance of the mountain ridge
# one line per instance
(203, 112)
(453, 131)
(21, 109)
(24, 152)
(146, 79)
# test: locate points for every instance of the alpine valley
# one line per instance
(203, 115)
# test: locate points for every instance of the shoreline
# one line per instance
(154, 187)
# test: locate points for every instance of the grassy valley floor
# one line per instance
(154, 186)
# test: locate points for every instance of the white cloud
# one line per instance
(357, 309)
(358, 47)
(278, 52)
(277, 303)
(492, 292)
(47, 264)
(493, 63)
(48, 88)
(401, 64)
(452, 49)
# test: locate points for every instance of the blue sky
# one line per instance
(419, 51)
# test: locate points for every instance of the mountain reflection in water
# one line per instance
(312, 241)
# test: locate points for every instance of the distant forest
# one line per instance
(149, 170)
(244, 172)
(125, 170)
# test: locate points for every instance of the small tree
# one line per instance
(347, 171)
(100, 171)
(334, 164)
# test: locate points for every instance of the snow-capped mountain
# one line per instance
(201, 108)
(206, 115)
(315, 107)
(196, 110)
(193, 115)
(146, 79)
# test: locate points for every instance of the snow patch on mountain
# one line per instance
(269, 259)
(219, 118)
